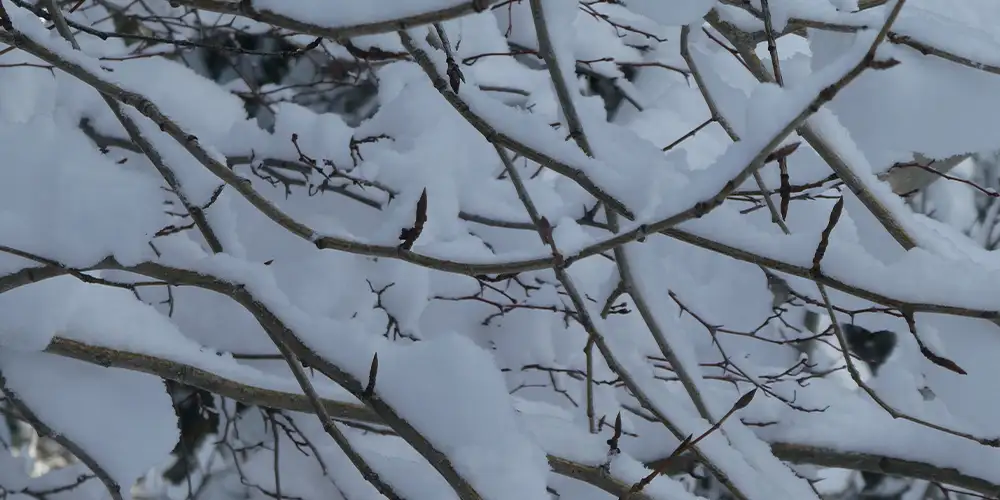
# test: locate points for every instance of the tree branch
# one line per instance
(246, 9)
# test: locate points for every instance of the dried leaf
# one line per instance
(782, 152)
(545, 230)
(372, 374)
(785, 191)
(613, 442)
(681, 448)
(824, 240)
(455, 76)
(409, 235)
(745, 400)
(371, 54)
(884, 64)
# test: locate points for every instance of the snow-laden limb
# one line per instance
(197, 213)
(941, 473)
(87, 70)
(791, 15)
(800, 447)
(353, 383)
(93, 76)
(707, 191)
(829, 138)
(343, 18)
(743, 158)
(274, 325)
(822, 144)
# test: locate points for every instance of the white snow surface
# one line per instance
(492, 371)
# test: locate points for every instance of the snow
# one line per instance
(684, 12)
(784, 10)
(493, 457)
(491, 370)
(553, 429)
(478, 431)
(956, 283)
(88, 213)
(864, 428)
(952, 122)
(88, 405)
(33, 315)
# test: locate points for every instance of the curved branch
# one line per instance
(458, 8)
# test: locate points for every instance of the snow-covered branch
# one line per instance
(499, 250)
